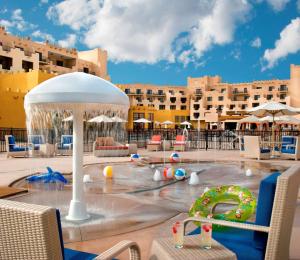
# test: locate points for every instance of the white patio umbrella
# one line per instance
(118, 119)
(250, 120)
(282, 119)
(142, 120)
(186, 123)
(167, 123)
(69, 118)
(157, 123)
(273, 109)
(100, 119)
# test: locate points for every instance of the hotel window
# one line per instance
(6, 62)
(198, 91)
(220, 108)
(234, 98)
(271, 88)
(196, 107)
(208, 107)
(209, 98)
(282, 88)
(160, 92)
(220, 98)
(60, 63)
(181, 92)
(150, 99)
(256, 97)
(197, 99)
(255, 104)
(196, 115)
(137, 116)
(127, 90)
(27, 65)
(149, 91)
(243, 106)
(138, 99)
(183, 107)
(171, 92)
(161, 100)
(173, 99)
(162, 107)
(150, 105)
(269, 97)
(282, 96)
(138, 91)
(183, 100)
(173, 107)
(246, 98)
(245, 90)
(86, 70)
(232, 107)
(151, 116)
(223, 90)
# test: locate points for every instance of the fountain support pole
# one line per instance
(77, 210)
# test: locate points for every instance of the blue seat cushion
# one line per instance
(18, 149)
(264, 150)
(264, 208)
(70, 254)
(67, 139)
(36, 139)
(11, 140)
(66, 146)
(288, 149)
(239, 241)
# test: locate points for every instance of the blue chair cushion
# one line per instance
(70, 254)
(36, 139)
(11, 140)
(68, 139)
(66, 146)
(264, 150)
(288, 149)
(264, 208)
(18, 149)
(288, 140)
(239, 241)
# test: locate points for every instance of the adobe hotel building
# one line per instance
(205, 100)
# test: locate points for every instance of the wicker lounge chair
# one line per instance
(108, 147)
(30, 231)
(180, 143)
(13, 150)
(290, 147)
(65, 147)
(155, 143)
(269, 237)
(253, 148)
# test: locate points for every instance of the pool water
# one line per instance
(132, 200)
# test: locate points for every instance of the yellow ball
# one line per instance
(108, 172)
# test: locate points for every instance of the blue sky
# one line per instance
(155, 42)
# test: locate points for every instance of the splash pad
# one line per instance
(75, 93)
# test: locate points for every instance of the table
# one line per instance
(163, 249)
(47, 150)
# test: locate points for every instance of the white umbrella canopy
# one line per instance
(157, 123)
(186, 123)
(250, 119)
(100, 119)
(167, 123)
(273, 108)
(69, 118)
(142, 120)
(118, 119)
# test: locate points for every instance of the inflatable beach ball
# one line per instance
(168, 173)
(108, 172)
(180, 174)
(174, 157)
(134, 157)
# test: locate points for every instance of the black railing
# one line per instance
(203, 139)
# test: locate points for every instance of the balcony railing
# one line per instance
(240, 92)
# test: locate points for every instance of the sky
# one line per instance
(164, 42)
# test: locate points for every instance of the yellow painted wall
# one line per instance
(13, 88)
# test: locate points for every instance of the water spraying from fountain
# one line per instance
(83, 96)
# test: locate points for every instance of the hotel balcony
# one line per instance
(156, 94)
(134, 93)
(283, 89)
(239, 92)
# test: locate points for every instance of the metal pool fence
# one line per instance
(203, 139)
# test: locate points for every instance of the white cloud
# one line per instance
(298, 5)
(256, 43)
(17, 22)
(43, 2)
(44, 36)
(147, 31)
(75, 13)
(219, 26)
(68, 42)
(288, 43)
(278, 5)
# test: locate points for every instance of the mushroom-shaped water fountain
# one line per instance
(78, 93)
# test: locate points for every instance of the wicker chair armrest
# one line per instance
(134, 251)
(225, 223)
